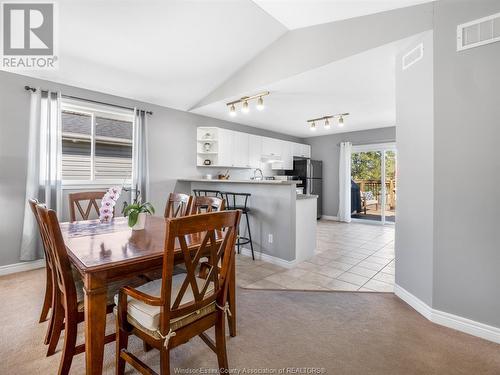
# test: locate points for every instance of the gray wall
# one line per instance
(326, 148)
(414, 247)
(467, 167)
(172, 145)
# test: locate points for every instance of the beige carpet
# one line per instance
(342, 332)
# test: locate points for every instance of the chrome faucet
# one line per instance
(255, 172)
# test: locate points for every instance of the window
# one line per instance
(96, 143)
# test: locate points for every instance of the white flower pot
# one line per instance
(141, 222)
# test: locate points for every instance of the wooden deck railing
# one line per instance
(376, 188)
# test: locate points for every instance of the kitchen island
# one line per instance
(283, 223)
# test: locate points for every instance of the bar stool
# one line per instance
(207, 193)
(238, 201)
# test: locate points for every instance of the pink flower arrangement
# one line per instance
(108, 203)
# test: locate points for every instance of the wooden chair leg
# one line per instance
(220, 342)
(164, 361)
(121, 343)
(71, 326)
(57, 326)
(54, 300)
(47, 301)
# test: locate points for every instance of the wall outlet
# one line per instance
(270, 238)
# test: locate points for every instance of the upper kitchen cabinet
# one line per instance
(217, 147)
(271, 147)
(255, 151)
(301, 150)
(240, 150)
(286, 156)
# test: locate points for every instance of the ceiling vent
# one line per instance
(412, 57)
(478, 32)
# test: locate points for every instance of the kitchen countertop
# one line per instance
(262, 182)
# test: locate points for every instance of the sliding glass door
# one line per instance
(373, 174)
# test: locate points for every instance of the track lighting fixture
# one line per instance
(327, 124)
(245, 107)
(339, 116)
(260, 104)
(232, 110)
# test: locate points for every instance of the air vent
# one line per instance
(415, 55)
(478, 32)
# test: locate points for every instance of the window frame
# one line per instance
(94, 111)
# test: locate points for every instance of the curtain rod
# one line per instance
(28, 88)
(371, 142)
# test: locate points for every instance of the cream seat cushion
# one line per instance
(147, 318)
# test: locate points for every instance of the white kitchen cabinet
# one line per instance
(301, 150)
(271, 146)
(217, 147)
(241, 150)
(306, 151)
(225, 148)
(255, 151)
(286, 153)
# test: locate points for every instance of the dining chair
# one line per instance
(205, 204)
(76, 200)
(47, 299)
(169, 312)
(68, 304)
(178, 205)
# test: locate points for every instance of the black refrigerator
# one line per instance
(311, 174)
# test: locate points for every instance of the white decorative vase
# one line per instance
(141, 222)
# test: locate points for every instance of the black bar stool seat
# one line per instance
(239, 201)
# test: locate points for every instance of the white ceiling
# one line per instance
(166, 52)
(295, 14)
(363, 85)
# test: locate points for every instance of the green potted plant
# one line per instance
(136, 213)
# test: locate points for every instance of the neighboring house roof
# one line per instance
(77, 123)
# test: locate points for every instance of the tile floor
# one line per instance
(349, 257)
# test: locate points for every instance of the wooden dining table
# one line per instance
(108, 252)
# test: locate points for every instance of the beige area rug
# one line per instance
(342, 333)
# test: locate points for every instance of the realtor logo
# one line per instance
(28, 36)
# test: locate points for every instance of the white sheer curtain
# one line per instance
(140, 176)
(344, 213)
(43, 180)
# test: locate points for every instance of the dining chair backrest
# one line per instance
(205, 204)
(178, 205)
(77, 199)
(63, 276)
(33, 203)
(206, 193)
(216, 232)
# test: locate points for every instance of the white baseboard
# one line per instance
(326, 217)
(21, 267)
(269, 258)
(465, 325)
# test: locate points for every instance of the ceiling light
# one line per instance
(232, 110)
(313, 126)
(341, 121)
(244, 107)
(327, 123)
(244, 101)
(260, 104)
